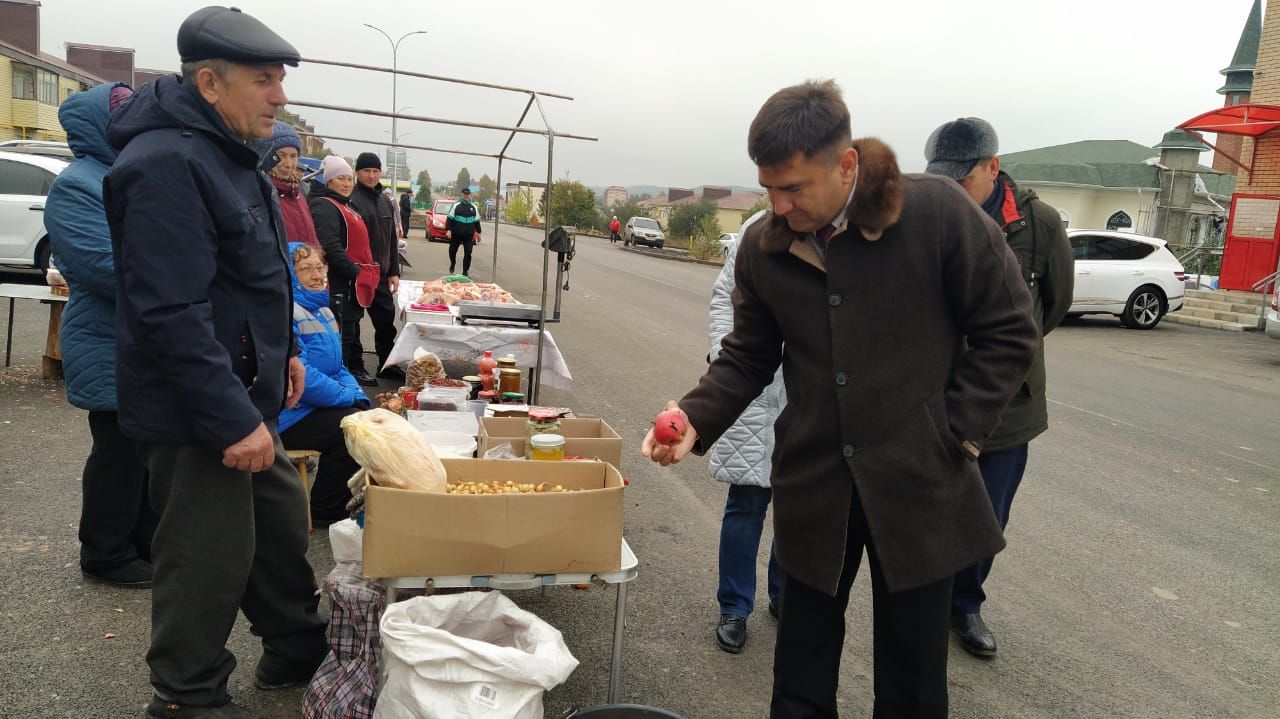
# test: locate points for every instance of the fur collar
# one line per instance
(876, 206)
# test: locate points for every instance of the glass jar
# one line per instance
(508, 362)
(541, 421)
(488, 395)
(512, 398)
(546, 447)
(475, 384)
(509, 380)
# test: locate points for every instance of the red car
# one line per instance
(438, 219)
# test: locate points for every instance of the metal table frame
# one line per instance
(14, 292)
(513, 582)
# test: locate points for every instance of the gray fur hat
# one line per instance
(957, 146)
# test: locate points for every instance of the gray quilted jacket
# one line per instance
(744, 454)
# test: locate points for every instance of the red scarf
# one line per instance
(360, 254)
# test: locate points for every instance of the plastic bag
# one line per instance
(424, 368)
(502, 451)
(465, 656)
(391, 452)
(346, 684)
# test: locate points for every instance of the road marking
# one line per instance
(1097, 414)
(1250, 461)
(1233, 625)
(1163, 593)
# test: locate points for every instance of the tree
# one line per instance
(761, 204)
(640, 197)
(463, 181)
(488, 190)
(627, 210)
(687, 219)
(424, 188)
(572, 203)
(519, 206)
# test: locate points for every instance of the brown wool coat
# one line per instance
(907, 342)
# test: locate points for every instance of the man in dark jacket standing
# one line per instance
(380, 218)
(965, 151)
(206, 361)
(463, 231)
(406, 212)
(886, 419)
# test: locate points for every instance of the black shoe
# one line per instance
(773, 609)
(393, 373)
(161, 709)
(731, 633)
(363, 378)
(451, 269)
(278, 672)
(135, 573)
(973, 634)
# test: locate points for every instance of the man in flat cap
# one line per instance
(206, 361)
(965, 150)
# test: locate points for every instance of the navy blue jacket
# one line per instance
(81, 246)
(204, 299)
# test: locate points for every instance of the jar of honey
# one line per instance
(547, 447)
(509, 380)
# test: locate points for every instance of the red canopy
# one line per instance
(1248, 120)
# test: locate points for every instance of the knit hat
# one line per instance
(283, 135)
(334, 166)
(119, 94)
(955, 148)
(368, 161)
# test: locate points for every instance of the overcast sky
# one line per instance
(669, 88)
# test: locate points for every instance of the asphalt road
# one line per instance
(1140, 580)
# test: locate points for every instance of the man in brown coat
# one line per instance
(907, 328)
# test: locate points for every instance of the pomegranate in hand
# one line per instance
(669, 427)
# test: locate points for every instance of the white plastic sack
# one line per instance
(346, 539)
(468, 656)
(391, 452)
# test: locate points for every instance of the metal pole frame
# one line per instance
(535, 382)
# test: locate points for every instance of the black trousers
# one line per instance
(320, 431)
(910, 645)
(404, 223)
(383, 314)
(466, 245)
(348, 312)
(227, 541)
(116, 521)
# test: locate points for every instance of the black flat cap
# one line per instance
(227, 34)
(957, 146)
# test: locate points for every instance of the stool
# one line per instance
(299, 458)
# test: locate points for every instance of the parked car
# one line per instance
(643, 231)
(39, 147)
(24, 183)
(438, 219)
(726, 241)
(1134, 277)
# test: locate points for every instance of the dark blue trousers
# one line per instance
(1002, 473)
(740, 531)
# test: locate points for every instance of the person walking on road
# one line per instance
(380, 218)
(614, 228)
(463, 230)
(206, 361)
(965, 151)
(878, 446)
(406, 212)
(116, 519)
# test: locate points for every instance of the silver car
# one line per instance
(643, 231)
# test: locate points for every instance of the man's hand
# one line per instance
(668, 455)
(393, 283)
(448, 234)
(297, 382)
(476, 238)
(253, 453)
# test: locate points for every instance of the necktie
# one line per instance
(824, 234)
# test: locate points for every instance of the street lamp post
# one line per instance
(395, 49)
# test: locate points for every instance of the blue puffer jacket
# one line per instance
(329, 384)
(81, 243)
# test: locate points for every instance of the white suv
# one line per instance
(1134, 277)
(24, 184)
(643, 231)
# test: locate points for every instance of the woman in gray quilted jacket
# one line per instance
(742, 458)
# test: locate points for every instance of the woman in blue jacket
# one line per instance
(116, 521)
(331, 391)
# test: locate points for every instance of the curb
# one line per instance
(664, 255)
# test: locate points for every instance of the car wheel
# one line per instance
(1144, 308)
(658, 246)
(42, 255)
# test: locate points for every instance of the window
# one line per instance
(67, 93)
(1118, 248)
(24, 82)
(1066, 218)
(47, 87)
(646, 223)
(1119, 221)
(18, 178)
(1080, 246)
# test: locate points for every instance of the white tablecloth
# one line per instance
(467, 343)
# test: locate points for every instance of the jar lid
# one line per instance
(488, 393)
(471, 378)
(513, 395)
(543, 414)
(547, 441)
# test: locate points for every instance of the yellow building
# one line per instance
(729, 205)
(32, 86)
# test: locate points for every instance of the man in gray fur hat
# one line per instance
(965, 150)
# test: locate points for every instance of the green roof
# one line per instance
(1240, 72)
(1180, 140)
(1100, 163)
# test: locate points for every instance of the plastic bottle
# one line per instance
(487, 363)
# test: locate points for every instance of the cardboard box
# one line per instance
(423, 534)
(582, 437)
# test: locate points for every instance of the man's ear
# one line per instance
(208, 84)
(995, 166)
(848, 164)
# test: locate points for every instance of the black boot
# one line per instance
(731, 633)
(161, 709)
(278, 672)
(394, 373)
(136, 573)
(973, 634)
(362, 376)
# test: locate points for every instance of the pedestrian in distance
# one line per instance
(964, 150)
(353, 275)
(885, 420)
(463, 230)
(741, 458)
(614, 227)
(406, 211)
(379, 215)
(116, 519)
(206, 361)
